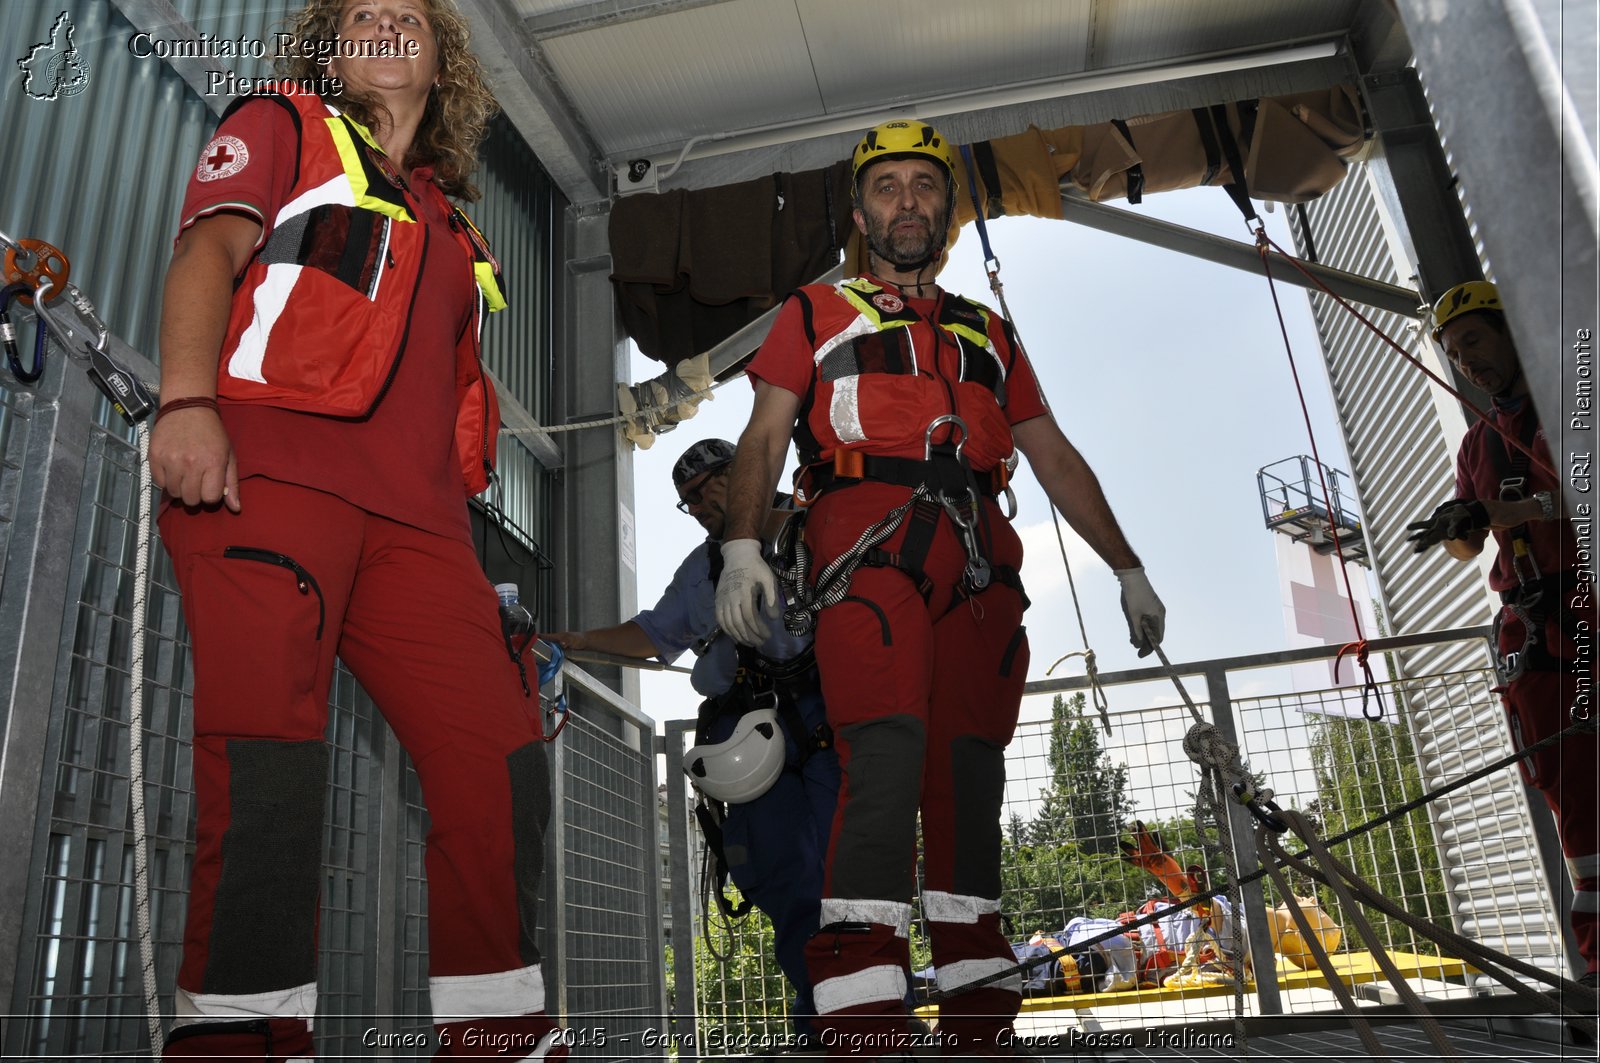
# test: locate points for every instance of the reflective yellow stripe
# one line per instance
(855, 293)
(492, 295)
(355, 172)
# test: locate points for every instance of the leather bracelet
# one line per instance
(191, 403)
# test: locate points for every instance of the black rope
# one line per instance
(1024, 966)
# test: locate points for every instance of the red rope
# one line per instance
(1369, 686)
(1511, 440)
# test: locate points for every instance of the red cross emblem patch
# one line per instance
(223, 157)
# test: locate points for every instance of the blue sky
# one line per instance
(1169, 374)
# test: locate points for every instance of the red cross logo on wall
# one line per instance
(223, 157)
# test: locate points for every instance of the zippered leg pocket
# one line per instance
(305, 582)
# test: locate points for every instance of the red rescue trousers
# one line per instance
(922, 694)
(1539, 704)
(272, 595)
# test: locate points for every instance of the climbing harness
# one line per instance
(942, 483)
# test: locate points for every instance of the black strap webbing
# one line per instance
(711, 828)
(1238, 189)
(1305, 232)
(994, 202)
(1208, 144)
(1136, 171)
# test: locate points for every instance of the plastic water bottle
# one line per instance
(515, 620)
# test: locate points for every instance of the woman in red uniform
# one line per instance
(324, 418)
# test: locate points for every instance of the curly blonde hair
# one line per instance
(459, 107)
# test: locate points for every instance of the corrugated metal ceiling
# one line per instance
(632, 78)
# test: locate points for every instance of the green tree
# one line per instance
(1363, 769)
(1087, 801)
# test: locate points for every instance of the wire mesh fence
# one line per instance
(69, 963)
(1077, 798)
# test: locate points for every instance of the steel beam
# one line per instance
(531, 96)
(1234, 253)
(602, 13)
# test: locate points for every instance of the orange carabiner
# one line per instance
(32, 261)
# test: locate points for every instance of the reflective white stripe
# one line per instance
(337, 190)
(1582, 867)
(487, 996)
(956, 907)
(884, 913)
(955, 975)
(299, 1002)
(270, 299)
(844, 413)
(871, 986)
(1586, 901)
(861, 326)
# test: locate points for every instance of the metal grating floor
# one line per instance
(1472, 1039)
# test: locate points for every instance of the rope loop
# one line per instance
(1371, 693)
(1205, 745)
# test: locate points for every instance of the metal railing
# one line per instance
(1074, 791)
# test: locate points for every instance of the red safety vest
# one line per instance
(319, 321)
(870, 393)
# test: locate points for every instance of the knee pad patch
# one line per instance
(978, 783)
(875, 852)
(529, 771)
(264, 925)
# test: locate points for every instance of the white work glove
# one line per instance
(1147, 617)
(746, 591)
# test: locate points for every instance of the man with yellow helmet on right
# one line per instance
(906, 405)
(1547, 604)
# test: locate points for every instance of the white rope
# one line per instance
(622, 418)
(141, 845)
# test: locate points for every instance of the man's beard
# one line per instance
(906, 250)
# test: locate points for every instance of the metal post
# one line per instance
(595, 525)
(1252, 897)
(684, 989)
(386, 892)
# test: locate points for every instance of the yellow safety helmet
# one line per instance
(1464, 299)
(899, 139)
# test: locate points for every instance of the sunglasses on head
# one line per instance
(696, 495)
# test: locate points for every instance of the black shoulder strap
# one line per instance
(711, 828)
(714, 562)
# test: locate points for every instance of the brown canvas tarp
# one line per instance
(691, 267)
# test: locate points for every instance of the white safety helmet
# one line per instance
(745, 766)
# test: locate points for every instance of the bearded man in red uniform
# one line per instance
(1547, 601)
(906, 404)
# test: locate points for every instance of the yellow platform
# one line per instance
(1352, 967)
